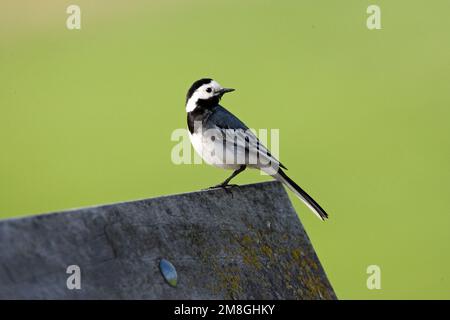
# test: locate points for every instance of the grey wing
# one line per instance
(224, 119)
(240, 141)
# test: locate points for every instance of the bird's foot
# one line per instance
(226, 187)
(222, 186)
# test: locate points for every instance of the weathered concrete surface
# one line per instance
(244, 243)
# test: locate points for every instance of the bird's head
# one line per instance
(204, 92)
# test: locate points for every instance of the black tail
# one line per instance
(310, 202)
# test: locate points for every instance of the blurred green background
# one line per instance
(86, 116)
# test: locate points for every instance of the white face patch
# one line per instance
(204, 92)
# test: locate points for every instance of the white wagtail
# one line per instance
(222, 140)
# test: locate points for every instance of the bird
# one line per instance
(224, 141)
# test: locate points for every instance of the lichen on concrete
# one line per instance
(242, 243)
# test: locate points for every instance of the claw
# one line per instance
(222, 186)
(225, 187)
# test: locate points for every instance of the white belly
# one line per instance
(205, 147)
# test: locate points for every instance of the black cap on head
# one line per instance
(197, 84)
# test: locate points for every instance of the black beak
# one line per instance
(224, 90)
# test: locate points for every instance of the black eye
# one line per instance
(208, 89)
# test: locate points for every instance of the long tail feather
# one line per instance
(313, 205)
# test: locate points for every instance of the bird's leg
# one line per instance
(234, 174)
